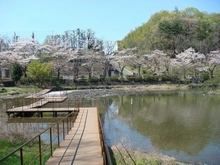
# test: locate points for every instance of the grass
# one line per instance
(30, 152)
(22, 89)
(121, 157)
(18, 90)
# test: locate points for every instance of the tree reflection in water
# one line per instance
(182, 125)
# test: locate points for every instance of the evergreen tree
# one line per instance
(16, 72)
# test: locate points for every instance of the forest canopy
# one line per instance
(176, 31)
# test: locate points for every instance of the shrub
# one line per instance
(101, 78)
(171, 77)
(205, 76)
(114, 78)
(151, 78)
(24, 81)
(93, 79)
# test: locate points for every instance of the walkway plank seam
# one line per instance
(73, 139)
(77, 148)
(82, 144)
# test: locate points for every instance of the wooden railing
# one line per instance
(56, 133)
(105, 150)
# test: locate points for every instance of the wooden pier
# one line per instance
(82, 144)
(39, 94)
(35, 107)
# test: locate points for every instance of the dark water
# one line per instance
(181, 125)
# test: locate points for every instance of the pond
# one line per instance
(183, 125)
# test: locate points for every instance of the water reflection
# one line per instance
(26, 126)
(182, 125)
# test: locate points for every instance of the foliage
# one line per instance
(39, 73)
(25, 81)
(171, 77)
(93, 79)
(151, 78)
(29, 152)
(16, 72)
(213, 82)
(114, 78)
(205, 76)
(175, 31)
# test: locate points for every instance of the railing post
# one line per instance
(51, 146)
(58, 134)
(40, 154)
(22, 104)
(63, 130)
(67, 124)
(21, 156)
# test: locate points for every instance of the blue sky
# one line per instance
(110, 19)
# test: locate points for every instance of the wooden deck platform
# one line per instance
(39, 94)
(34, 106)
(82, 145)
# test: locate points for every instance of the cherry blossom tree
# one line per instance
(137, 62)
(213, 59)
(187, 60)
(156, 61)
(21, 52)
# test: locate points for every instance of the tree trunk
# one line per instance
(212, 71)
(58, 73)
(122, 72)
(139, 70)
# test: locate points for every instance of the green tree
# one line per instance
(39, 73)
(173, 32)
(16, 72)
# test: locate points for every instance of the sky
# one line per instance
(110, 19)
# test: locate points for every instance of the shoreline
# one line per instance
(102, 92)
(141, 157)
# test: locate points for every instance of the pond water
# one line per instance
(183, 125)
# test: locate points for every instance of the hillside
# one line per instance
(172, 32)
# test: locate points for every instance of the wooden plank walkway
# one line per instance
(39, 94)
(82, 145)
(33, 107)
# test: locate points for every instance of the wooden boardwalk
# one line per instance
(39, 94)
(34, 106)
(82, 144)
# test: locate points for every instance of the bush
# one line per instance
(165, 77)
(172, 77)
(205, 76)
(151, 78)
(55, 81)
(24, 81)
(93, 79)
(114, 78)
(101, 78)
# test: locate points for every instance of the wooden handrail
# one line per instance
(72, 115)
(106, 154)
